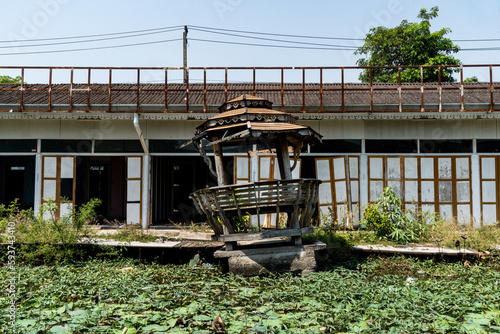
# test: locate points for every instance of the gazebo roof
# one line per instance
(251, 117)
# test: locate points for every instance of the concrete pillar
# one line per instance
(363, 180)
(476, 190)
(146, 190)
(38, 178)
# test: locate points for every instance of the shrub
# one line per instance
(45, 239)
(389, 221)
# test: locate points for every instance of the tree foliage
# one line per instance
(5, 79)
(408, 44)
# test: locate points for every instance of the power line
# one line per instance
(282, 35)
(328, 37)
(96, 35)
(87, 49)
(275, 40)
(272, 46)
(90, 40)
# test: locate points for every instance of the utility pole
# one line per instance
(184, 39)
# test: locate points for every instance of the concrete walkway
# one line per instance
(413, 250)
(180, 238)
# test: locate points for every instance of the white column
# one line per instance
(363, 183)
(476, 190)
(254, 166)
(146, 190)
(38, 178)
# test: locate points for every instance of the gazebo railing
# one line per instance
(225, 206)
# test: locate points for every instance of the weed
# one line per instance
(45, 239)
(377, 295)
(129, 233)
(389, 221)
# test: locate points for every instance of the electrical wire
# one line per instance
(269, 45)
(282, 35)
(275, 40)
(87, 49)
(96, 35)
(91, 40)
(219, 31)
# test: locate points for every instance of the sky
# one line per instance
(53, 22)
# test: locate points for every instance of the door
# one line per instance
(339, 192)
(182, 181)
(489, 189)
(134, 190)
(440, 184)
(58, 184)
(99, 186)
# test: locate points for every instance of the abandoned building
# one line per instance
(72, 134)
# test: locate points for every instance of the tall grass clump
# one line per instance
(45, 239)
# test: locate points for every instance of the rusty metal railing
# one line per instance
(328, 92)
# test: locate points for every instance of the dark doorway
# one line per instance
(173, 179)
(103, 178)
(99, 186)
(182, 180)
(17, 180)
(15, 183)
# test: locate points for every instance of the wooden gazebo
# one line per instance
(249, 120)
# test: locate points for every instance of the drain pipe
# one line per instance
(139, 133)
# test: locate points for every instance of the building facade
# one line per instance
(435, 144)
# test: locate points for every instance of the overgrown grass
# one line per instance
(385, 222)
(129, 233)
(441, 234)
(43, 239)
(376, 295)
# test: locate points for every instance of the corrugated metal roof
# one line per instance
(215, 94)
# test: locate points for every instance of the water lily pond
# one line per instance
(365, 296)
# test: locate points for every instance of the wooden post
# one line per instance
(222, 181)
(219, 164)
(286, 174)
(283, 158)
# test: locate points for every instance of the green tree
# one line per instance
(5, 79)
(408, 44)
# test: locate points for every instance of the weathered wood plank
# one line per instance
(265, 234)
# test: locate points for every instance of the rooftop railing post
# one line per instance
(204, 90)
(491, 88)
(21, 108)
(166, 91)
(187, 91)
(422, 89)
(371, 89)
(50, 90)
(440, 90)
(254, 88)
(225, 84)
(304, 90)
(342, 89)
(109, 91)
(400, 93)
(320, 90)
(138, 104)
(461, 87)
(88, 90)
(71, 91)
(282, 88)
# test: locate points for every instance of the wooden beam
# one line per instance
(266, 234)
(283, 157)
(219, 164)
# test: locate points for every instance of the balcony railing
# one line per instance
(291, 89)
